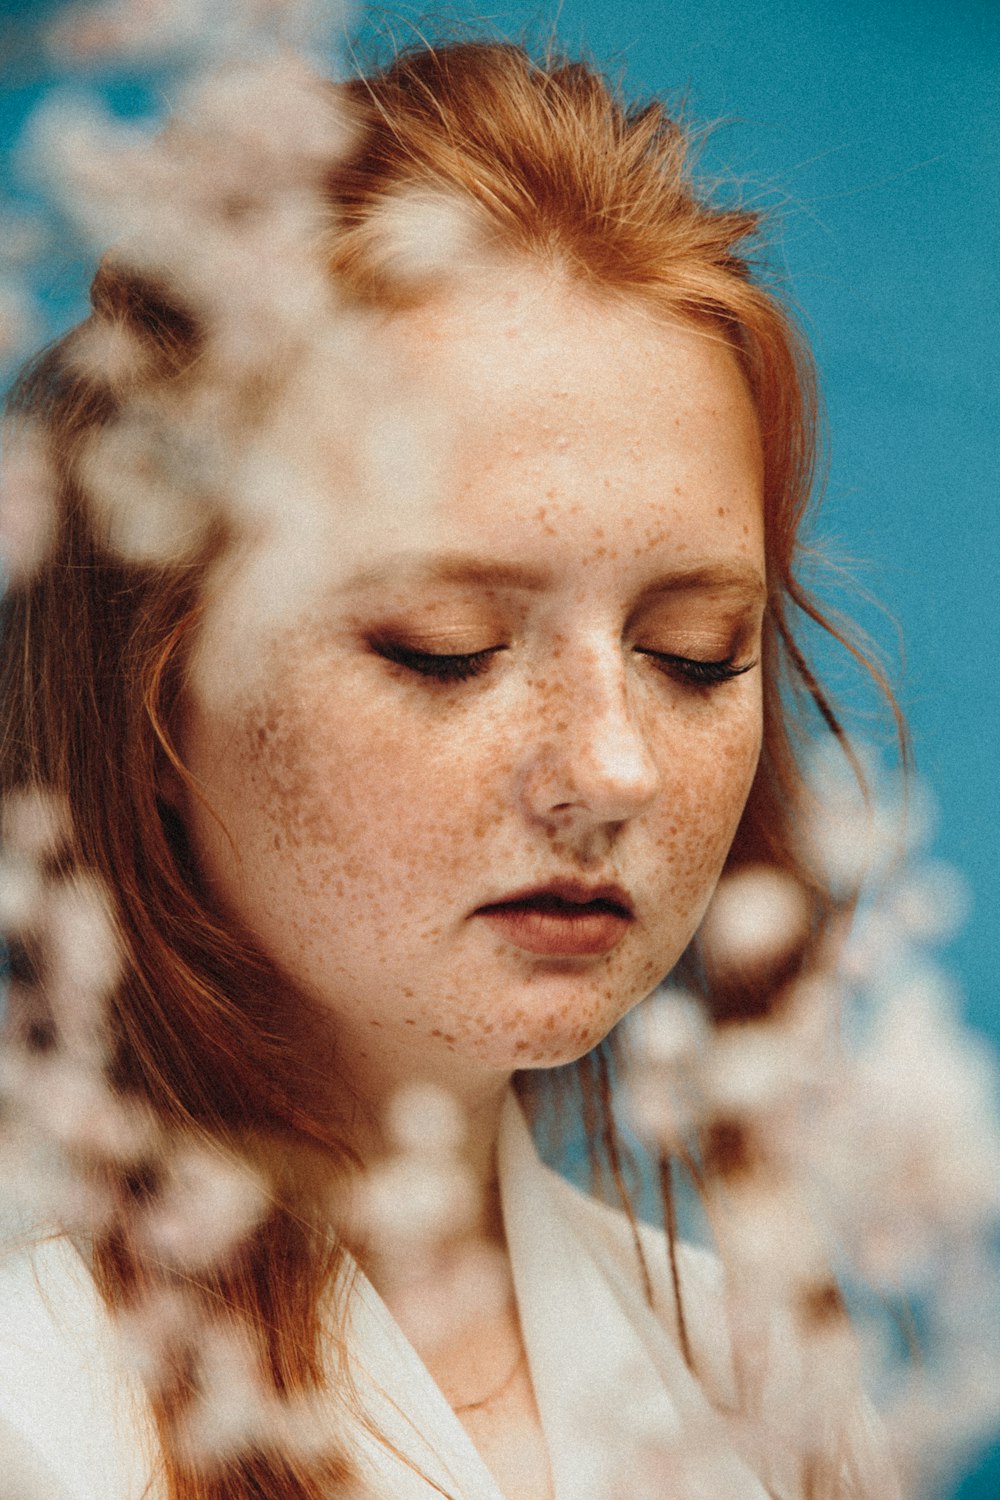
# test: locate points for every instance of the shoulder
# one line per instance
(70, 1412)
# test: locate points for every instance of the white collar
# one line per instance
(608, 1377)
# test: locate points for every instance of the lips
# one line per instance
(565, 918)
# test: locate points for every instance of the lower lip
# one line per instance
(555, 933)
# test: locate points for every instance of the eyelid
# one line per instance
(417, 644)
(441, 666)
(697, 631)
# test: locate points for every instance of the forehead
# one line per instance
(520, 384)
(526, 338)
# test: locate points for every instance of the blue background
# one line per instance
(870, 129)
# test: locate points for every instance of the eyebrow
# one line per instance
(449, 567)
(739, 580)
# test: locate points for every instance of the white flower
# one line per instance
(410, 1203)
(204, 1206)
(420, 236)
(82, 953)
(670, 1029)
(931, 903)
(20, 324)
(148, 488)
(153, 32)
(236, 1408)
(757, 916)
(911, 1142)
(35, 822)
(72, 1106)
(21, 894)
(854, 834)
(27, 502)
(423, 1120)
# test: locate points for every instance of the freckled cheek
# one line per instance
(376, 806)
(705, 778)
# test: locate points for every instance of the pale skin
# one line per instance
(594, 540)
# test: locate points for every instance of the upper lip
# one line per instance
(577, 892)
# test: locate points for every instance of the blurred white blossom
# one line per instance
(20, 322)
(423, 1120)
(755, 917)
(912, 1138)
(158, 31)
(34, 823)
(201, 1206)
(420, 236)
(27, 501)
(152, 492)
(236, 1408)
(852, 1128)
(855, 1127)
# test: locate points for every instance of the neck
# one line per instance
(401, 1136)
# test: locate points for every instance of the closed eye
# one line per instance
(447, 667)
(694, 670)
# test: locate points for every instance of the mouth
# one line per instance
(562, 919)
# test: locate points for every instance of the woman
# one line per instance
(437, 809)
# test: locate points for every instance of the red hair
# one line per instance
(553, 167)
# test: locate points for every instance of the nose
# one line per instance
(589, 761)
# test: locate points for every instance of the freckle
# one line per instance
(409, 1021)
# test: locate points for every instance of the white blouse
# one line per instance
(611, 1385)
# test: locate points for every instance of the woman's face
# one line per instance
(474, 792)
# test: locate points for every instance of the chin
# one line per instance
(551, 1040)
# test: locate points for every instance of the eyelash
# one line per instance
(462, 667)
(700, 673)
(457, 668)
